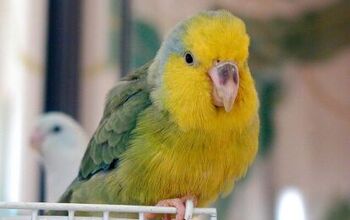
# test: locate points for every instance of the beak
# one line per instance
(36, 140)
(225, 78)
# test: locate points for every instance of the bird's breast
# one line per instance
(182, 164)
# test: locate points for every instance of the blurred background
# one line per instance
(65, 56)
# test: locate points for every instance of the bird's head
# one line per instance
(55, 133)
(201, 74)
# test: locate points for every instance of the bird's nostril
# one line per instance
(225, 72)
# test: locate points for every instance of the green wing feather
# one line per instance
(124, 103)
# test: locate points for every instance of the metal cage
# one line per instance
(105, 210)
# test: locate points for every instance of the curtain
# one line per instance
(22, 43)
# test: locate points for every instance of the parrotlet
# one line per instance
(185, 125)
(60, 142)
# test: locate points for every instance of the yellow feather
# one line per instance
(182, 144)
(174, 163)
(224, 38)
(197, 149)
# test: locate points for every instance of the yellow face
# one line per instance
(188, 87)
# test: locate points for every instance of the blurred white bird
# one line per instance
(61, 143)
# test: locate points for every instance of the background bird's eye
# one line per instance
(189, 58)
(56, 129)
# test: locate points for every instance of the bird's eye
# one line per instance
(56, 129)
(189, 58)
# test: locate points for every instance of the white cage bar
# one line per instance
(105, 210)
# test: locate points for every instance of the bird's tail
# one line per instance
(66, 197)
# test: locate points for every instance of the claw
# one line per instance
(179, 203)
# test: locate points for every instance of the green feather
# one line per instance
(125, 101)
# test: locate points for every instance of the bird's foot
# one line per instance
(184, 208)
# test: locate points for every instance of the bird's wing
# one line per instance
(124, 103)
